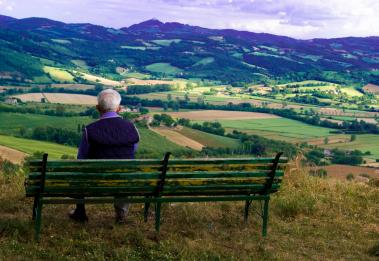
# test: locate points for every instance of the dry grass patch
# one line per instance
(14, 156)
(64, 98)
(178, 138)
(310, 219)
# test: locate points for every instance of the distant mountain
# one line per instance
(178, 50)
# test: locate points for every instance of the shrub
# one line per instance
(350, 176)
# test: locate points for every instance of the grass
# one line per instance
(163, 68)
(209, 140)
(58, 74)
(10, 123)
(166, 42)
(55, 151)
(310, 219)
(205, 61)
(364, 142)
(351, 91)
(281, 126)
(137, 75)
(154, 145)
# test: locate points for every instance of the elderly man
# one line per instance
(111, 137)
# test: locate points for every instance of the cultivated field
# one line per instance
(64, 98)
(364, 142)
(94, 78)
(212, 115)
(208, 139)
(135, 81)
(282, 128)
(73, 86)
(12, 155)
(371, 88)
(178, 138)
(341, 171)
(54, 150)
(11, 123)
(58, 74)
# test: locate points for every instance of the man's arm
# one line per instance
(84, 146)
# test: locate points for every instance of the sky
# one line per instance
(302, 19)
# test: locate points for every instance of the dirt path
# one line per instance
(12, 155)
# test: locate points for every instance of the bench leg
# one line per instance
(38, 219)
(146, 211)
(34, 208)
(265, 218)
(247, 206)
(157, 216)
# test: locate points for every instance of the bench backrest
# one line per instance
(223, 176)
(75, 178)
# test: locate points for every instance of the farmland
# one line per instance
(10, 123)
(364, 142)
(208, 139)
(28, 146)
(64, 98)
(209, 115)
(12, 155)
(59, 74)
(154, 145)
(164, 68)
(279, 127)
(97, 79)
(178, 138)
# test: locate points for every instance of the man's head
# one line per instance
(108, 100)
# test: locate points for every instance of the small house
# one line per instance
(11, 100)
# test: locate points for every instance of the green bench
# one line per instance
(155, 182)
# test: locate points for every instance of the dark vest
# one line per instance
(111, 138)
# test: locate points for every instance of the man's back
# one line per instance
(111, 138)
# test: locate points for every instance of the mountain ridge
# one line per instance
(181, 50)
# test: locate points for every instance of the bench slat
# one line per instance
(126, 176)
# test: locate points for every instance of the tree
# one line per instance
(326, 140)
(353, 137)
(169, 96)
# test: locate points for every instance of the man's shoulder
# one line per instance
(109, 121)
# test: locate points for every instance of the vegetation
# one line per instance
(302, 209)
(54, 150)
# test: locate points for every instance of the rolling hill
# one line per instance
(29, 46)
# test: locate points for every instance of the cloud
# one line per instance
(296, 18)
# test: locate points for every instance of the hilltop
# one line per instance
(310, 219)
(30, 47)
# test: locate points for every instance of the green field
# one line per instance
(30, 146)
(364, 142)
(163, 68)
(209, 140)
(166, 42)
(10, 123)
(58, 74)
(154, 145)
(280, 127)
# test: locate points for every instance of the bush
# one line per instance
(350, 176)
(7, 167)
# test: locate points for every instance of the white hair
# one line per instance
(108, 100)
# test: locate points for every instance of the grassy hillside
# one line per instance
(209, 140)
(10, 123)
(310, 219)
(30, 146)
(364, 142)
(282, 127)
(154, 145)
